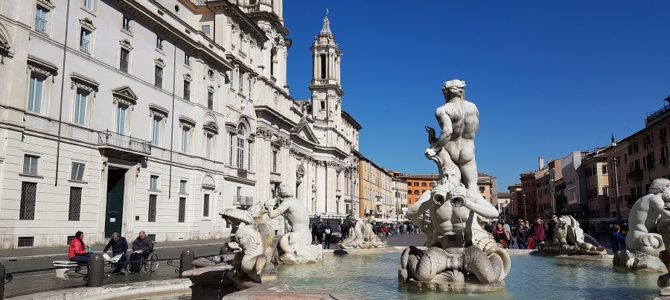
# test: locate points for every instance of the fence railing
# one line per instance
(123, 142)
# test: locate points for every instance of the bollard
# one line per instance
(186, 261)
(2, 281)
(96, 270)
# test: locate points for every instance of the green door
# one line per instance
(114, 214)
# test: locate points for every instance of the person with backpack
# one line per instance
(328, 233)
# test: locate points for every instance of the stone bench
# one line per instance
(65, 267)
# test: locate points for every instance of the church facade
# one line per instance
(127, 116)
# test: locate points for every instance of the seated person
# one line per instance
(119, 247)
(78, 251)
(142, 246)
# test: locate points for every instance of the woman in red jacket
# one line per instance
(78, 251)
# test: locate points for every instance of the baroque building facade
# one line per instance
(127, 116)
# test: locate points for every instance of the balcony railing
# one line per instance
(635, 174)
(243, 200)
(242, 173)
(123, 142)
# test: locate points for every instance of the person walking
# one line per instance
(327, 235)
(618, 240)
(508, 231)
(538, 230)
(521, 234)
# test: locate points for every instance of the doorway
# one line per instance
(114, 207)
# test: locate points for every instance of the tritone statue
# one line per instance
(362, 237)
(460, 255)
(247, 243)
(643, 242)
(295, 246)
(569, 238)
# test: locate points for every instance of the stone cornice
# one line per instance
(42, 67)
(211, 127)
(245, 22)
(124, 95)
(184, 120)
(83, 82)
(156, 110)
(272, 18)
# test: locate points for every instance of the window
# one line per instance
(187, 59)
(74, 210)
(152, 208)
(85, 40)
(241, 132)
(187, 90)
(80, 107)
(241, 82)
(126, 23)
(274, 161)
(153, 182)
(27, 206)
(423, 184)
(159, 42)
(158, 76)
(41, 19)
(604, 167)
(323, 66)
(184, 138)
(182, 210)
(77, 173)
(30, 164)
(205, 29)
(323, 105)
(121, 119)
(125, 55)
(210, 144)
(182, 186)
(26, 241)
(210, 100)
(230, 148)
(205, 206)
(35, 93)
(156, 130)
(88, 4)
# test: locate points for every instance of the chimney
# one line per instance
(540, 163)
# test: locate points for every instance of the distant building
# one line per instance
(573, 186)
(538, 188)
(640, 158)
(486, 184)
(597, 186)
(376, 190)
(516, 206)
(417, 184)
(399, 187)
(503, 204)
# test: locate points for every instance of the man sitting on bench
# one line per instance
(142, 246)
(78, 251)
(119, 247)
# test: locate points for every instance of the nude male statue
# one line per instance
(295, 245)
(645, 215)
(459, 121)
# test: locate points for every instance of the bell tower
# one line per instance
(325, 86)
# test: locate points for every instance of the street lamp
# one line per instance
(525, 214)
(616, 181)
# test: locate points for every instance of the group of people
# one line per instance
(523, 235)
(322, 233)
(141, 248)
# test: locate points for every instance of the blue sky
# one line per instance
(549, 77)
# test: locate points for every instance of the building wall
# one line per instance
(252, 116)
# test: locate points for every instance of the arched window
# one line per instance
(241, 143)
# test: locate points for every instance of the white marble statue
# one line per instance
(362, 237)
(295, 246)
(569, 237)
(643, 243)
(645, 215)
(247, 243)
(459, 250)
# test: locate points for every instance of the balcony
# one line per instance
(635, 175)
(123, 144)
(243, 200)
